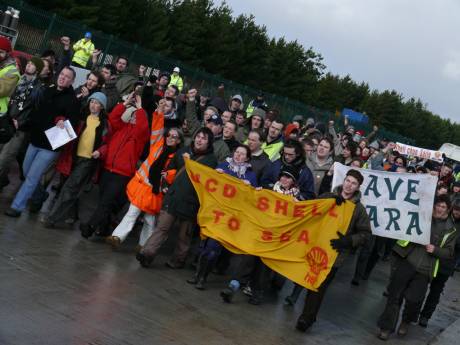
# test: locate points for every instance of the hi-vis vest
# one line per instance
(5, 72)
(405, 243)
(83, 51)
(177, 80)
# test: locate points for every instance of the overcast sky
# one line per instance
(412, 46)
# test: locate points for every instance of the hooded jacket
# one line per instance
(305, 181)
(127, 141)
(317, 170)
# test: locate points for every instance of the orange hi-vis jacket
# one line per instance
(139, 189)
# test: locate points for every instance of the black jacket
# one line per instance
(181, 199)
(22, 103)
(259, 164)
(52, 106)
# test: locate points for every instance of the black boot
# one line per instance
(256, 298)
(86, 230)
(196, 276)
(303, 324)
(294, 296)
(205, 268)
(144, 260)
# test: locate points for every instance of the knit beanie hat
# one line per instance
(291, 171)
(5, 44)
(100, 97)
(38, 62)
(259, 112)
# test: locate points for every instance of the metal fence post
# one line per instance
(47, 33)
(106, 50)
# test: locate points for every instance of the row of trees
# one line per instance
(207, 36)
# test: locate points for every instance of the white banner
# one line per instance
(399, 205)
(419, 152)
(80, 78)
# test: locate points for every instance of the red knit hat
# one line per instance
(5, 44)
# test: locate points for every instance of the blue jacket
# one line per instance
(249, 175)
(305, 182)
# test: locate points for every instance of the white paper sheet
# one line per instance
(59, 137)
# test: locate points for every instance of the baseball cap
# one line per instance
(88, 35)
(216, 119)
(238, 98)
(176, 69)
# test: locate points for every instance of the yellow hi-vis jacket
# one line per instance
(83, 50)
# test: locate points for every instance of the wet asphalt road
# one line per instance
(58, 288)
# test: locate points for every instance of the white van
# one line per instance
(451, 151)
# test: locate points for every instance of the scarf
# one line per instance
(238, 168)
(157, 168)
(294, 191)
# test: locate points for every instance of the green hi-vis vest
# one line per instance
(8, 70)
(405, 243)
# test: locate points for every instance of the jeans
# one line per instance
(36, 162)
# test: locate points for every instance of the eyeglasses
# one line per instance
(174, 136)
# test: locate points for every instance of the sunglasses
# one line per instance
(174, 136)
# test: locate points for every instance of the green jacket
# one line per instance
(443, 237)
(181, 200)
(125, 83)
(360, 226)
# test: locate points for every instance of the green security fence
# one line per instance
(39, 30)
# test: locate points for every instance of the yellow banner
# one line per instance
(292, 238)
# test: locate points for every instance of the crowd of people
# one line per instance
(134, 133)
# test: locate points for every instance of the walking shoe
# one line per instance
(144, 260)
(289, 301)
(256, 298)
(423, 321)
(383, 335)
(247, 290)
(193, 280)
(355, 282)
(11, 212)
(175, 265)
(114, 241)
(200, 284)
(48, 224)
(403, 328)
(227, 295)
(302, 324)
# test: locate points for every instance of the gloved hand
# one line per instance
(339, 200)
(343, 242)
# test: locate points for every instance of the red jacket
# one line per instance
(64, 163)
(127, 141)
